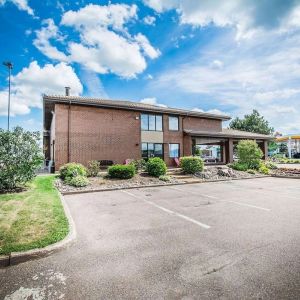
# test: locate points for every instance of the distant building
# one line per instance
(292, 142)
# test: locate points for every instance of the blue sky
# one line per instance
(211, 55)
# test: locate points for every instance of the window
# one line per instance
(151, 122)
(152, 150)
(173, 123)
(173, 150)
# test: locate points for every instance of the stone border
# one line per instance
(288, 177)
(156, 185)
(18, 257)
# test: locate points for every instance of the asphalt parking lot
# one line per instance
(225, 240)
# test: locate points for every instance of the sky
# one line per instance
(215, 56)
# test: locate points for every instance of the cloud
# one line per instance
(149, 20)
(213, 111)
(152, 101)
(246, 16)
(49, 31)
(93, 84)
(262, 73)
(105, 44)
(29, 84)
(21, 5)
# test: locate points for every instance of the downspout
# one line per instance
(183, 133)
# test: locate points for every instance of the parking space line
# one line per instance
(216, 198)
(249, 205)
(191, 192)
(169, 211)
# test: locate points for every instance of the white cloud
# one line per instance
(262, 73)
(105, 45)
(146, 46)
(152, 101)
(247, 17)
(49, 31)
(213, 111)
(21, 5)
(217, 64)
(149, 20)
(29, 84)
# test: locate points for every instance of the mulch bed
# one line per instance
(287, 172)
(98, 183)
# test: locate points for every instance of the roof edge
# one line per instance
(84, 101)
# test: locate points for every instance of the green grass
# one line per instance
(32, 219)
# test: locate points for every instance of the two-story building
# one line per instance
(79, 129)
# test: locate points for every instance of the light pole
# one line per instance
(9, 66)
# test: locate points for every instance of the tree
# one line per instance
(249, 154)
(20, 157)
(252, 123)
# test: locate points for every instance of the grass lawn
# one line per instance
(32, 219)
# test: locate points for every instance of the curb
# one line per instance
(157, 185)
(19, 257)
(288, 177)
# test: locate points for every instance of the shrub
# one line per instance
(78, 181)
(263, 169)
(191, 164)
(270, 165)
(156, 167)
(70, 170)
(139, 164)
(239, 166)
(121, 171)
(20, 157)
(249, 154)
(93, 168)
(164, 178)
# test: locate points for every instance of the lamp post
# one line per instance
(9, 66)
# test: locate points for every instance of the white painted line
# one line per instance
(191, 192)
(216, 198)
(249, 205)
(169, 211)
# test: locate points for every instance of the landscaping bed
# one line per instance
(33, 218)
(224, 172)
(102, 183)
(287, 172)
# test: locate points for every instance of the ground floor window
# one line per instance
(174, 150)
(152, 150)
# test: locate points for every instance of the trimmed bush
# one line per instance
(164, 178)
(249, 154)
(239, 166)
(191, 164)
(263, 169)
(156, 167)
(20, 157)
(78, 181)
(121, 171)
(70, 170)
(93, 168)
(270, 165)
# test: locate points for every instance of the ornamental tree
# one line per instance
(20, 157)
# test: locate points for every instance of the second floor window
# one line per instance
(173, 123)
(151, 122)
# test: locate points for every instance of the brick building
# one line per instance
(79, 129)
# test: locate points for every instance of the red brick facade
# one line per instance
(113, 134)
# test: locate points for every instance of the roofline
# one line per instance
(227, 135)
(174, 111)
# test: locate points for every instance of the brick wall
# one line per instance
(111, 134)
(96, 133)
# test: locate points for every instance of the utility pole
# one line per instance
(9, 66)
